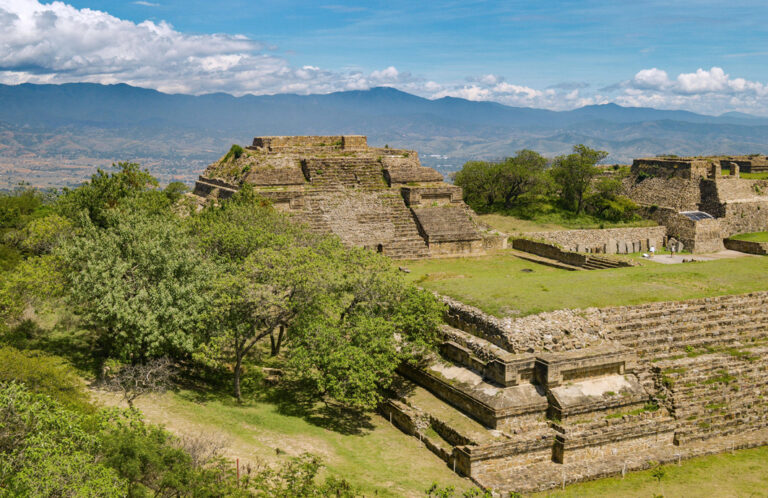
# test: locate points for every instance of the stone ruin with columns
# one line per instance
(374, 197)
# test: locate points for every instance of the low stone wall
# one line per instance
(747, 246)
(550, 251)
(608, 241)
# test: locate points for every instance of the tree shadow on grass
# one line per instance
(298, 400)
(65, 340)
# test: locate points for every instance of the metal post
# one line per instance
(238, 472)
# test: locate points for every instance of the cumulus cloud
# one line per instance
(57, 43)
(709, 91)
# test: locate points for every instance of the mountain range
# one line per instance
(57, 135)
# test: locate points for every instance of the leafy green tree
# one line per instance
(104, 192)
(21, 205)
(265, 271)
(365, 322)
(477, 180)
(45, 374)
(32, 281)
(276, 280)
(573, 173)
(139, 285)
(43, 235)
(174, 190)
(486, 183)
(17, 209)
(518, 175)
(46, 450)
(608, 202)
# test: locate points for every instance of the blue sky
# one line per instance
(704, 56)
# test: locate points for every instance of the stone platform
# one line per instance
(528, 404)
(379, 198)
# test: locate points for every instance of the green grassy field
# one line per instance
(744, 473)
(497, 284)
(749, 176)
(752, 237)
(552, 222)
(375, 456)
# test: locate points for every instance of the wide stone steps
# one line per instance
(680, 317)
(626, 316)
(598, 263)
(660, 339)
(346, 172)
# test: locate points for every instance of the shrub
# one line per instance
(44, 374)
(234, 153)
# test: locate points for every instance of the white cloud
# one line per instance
(58, 43)
(146, 4)
(651, 78)
(708, 91)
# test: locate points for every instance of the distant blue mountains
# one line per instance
(125, 122)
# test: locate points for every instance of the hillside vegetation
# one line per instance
(143, 293)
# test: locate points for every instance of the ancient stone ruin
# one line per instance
(373, 197)
(697, 203)
(533, 403)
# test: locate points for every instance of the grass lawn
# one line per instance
(497, 284)
(752, 237)
(547, 221)
(378, 458)
(744, 473)
(749, 176)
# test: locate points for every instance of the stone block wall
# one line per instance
(698, 237)
(573, 259)
(677, 193)
(350, 142)
(744, 217)
(608, 241)
(760, 248)
(689, 169)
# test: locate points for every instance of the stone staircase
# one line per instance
(663, 330)
(344, 172)
(490, 413)
(593, 262)
(388, 227)
(718, 394)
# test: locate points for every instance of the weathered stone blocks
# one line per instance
(364, 195)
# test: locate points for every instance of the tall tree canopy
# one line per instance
(139, 285)
(345, 315)
(486, 183)
(574, 173)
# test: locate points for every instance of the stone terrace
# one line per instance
(531, 403)
(379, 198)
